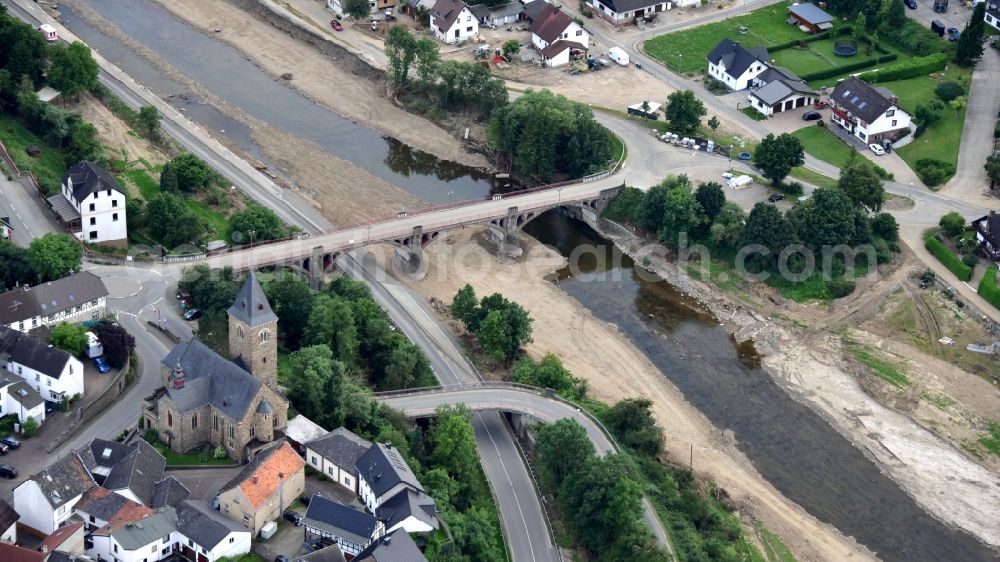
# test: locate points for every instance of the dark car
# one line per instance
(775, 197)
(10, 442)
(953, 34)
(911, 4)
(192, 314)
(744, 156)
(8, 471)
(941, 6)
(101, 364)
(811, 116)
(293, 517)
(937, 27)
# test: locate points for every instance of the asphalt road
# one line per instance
(28, 218)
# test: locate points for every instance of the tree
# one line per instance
(682, 215)
(993, 168)
(72, 69)
(135, 213)
(15, 269)
(168, 179)
(563, 447)
(549, 373)
(314, 384)
(453, 445)
(70, 338)
(655, 203)
(952, 223)
(84, 144)
(891, 16)
(262, 221)
(331, 322)
(511, 47)
(684, 111)
(929, 113)
(958, 104)
(830, 220)
(292, 300)
(475, 535)
(464, 303)
(405, 367)
(27, 56)
(117, 343)
(863, 185)
(766, 226)
(426, 58)
(148, 121)
(631, 421)
(400, 48)
(192, 174)
(54, 256)
(30, 427)
(728, 225)
(714, 123)
(604, 502)
(357, 9)
(970, 43)
(504, 331)
(776, 156)
(172, 222)
(711, 197)
(860, 29)
(884, 225)
(947, 91)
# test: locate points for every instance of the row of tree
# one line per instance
(51, 257)
(501, 326)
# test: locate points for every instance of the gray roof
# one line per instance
(7, 516)
(89, 177)
(446, 12)
(340, 520)
(778, 90)
(383, 467)
(63, 480)
(330, 553)
(48, 298)
(810, 13)
(623, 6)
(210, 379)
(25, 350)
(101, 452)
(169, 492)
(251, 306)
(480, 11)
(264, 407)
(17, 305)
(534, 9)
(396, 546)
(142, 533)
(860, 99)
(20, 390)
(508, 9)
(736, 58)
(405, 504)
(62, 207)
(138, 472)
(342, 447)
(102, 504)
(773, 73)
(204, 525)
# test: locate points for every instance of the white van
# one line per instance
(618, 55)
(94, 347)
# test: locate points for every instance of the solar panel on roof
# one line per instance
(854, 99)
(846, 93)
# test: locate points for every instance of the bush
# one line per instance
(996, 131)
(947, 257)
(971, 259)
(917, 66)
(948, 91)
(988, 287)
(29, 428)
(717, 87)
(885, 227)
(791, 188)
(840, 287)
(219, 453)
(933, 171)
(952, 223)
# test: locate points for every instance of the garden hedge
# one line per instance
(988, 287)
(947, 257)
(917, 66)
(818, 37)
(838, 70)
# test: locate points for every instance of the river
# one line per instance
(790, 445)
(225, 72)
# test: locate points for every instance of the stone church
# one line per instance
(235, 403)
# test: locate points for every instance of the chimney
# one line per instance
(255, 480)
(894, 100)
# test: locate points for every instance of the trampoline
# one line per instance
(845, 48)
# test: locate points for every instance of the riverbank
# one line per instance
(599, 353)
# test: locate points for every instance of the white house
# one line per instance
(992, 16)
(337, 6)
(92, 205)
(867, 112)
(335, 456)
(736, 66)
(145, 539)
(8, 523)
(50, 371)
(624, 12)
(78, 297)
(391, 491)
(18, 398)
(554, 33)
(333, 521)
(453, 21)
(46, 499)
(779, 90)
(410, 510)
(203, 530)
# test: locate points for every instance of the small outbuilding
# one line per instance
(33, 151)
(651, 110)
(809, 17)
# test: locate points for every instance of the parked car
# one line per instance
(775, 197)
(11, 442)
(293, 517)
(811, 116)
(744, 156)
(877, 149)
(4, 448)
(336, 25)
(305, 500)
(953, 34)
(911, 4)
(192, 314)
(215, 503)
(101, 364)
(937, 27)
(941, 6)
(8, 471)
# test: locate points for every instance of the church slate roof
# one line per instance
(210, 379)
(251, 306)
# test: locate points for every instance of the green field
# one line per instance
(49, 167)
(685, 51)
(818, 55)
(823, 144)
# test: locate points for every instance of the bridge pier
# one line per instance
(410, 252)
(316, 271)
(503, 233)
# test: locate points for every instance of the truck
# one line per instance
(618, 55)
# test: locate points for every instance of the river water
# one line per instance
(223, 71)
(792, 447)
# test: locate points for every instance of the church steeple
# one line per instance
(253, 332)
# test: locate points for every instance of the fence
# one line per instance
(122, 379)
(8, 160)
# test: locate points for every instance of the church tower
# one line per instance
(253, 332)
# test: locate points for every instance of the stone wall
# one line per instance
(122, 379)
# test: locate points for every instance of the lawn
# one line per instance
(49, 167)
(685, 51)
(943, 137)
(818, 55)
(824, 145)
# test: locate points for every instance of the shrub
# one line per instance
(717, 87)
(996, 131)
(791, 188)
(947, 257)
(30, 427)
(988, 287)
(840, 287)
(952, 223)
(885, 227)
(219, 453)
(917, 66)
(933, 171)
(971, 259)
(948, 91)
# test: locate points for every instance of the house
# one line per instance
(92, 205)
(624, 12)
(410, 510)
(64, 545)
(988, 234)
(554, 34)
(336, 456)
(6, 230)
(737, 67)
(146, 539)
(264, 488)
(992, 16)
(868, 113)
(333, 522)
(206, 535)
(68, 538)
(18, 398)
(497, 16)
(809, 17)
(392, 547)
(302, 430)
(131, 471)
(452, 21)
(337, 6)
(53, 373)
(78, 297)
(46, 499)
(384, 473)
(100, 507)
(169, 492)
(780, 90)
(330, 553)
(8, 523)
(207, 400)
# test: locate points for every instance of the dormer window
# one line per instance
(890, 113)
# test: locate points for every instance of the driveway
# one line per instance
(958, 13)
